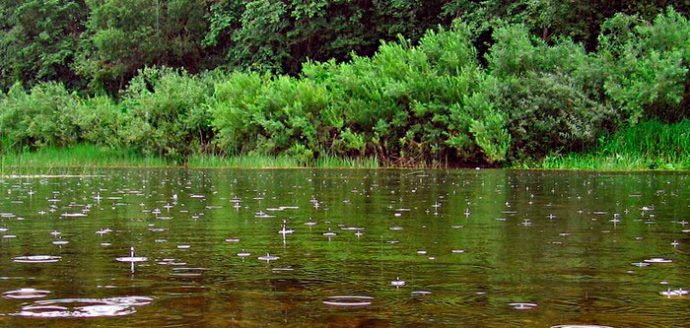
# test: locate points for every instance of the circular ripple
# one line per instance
(657, 260)
(348, 300)
(523, 306)
(25, 293)
(675, 293)
(84, 307)
(420, 293)
(37, 259)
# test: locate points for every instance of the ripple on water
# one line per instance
(188, 272)
(523, 306)
(37, 259)
(348, 300)
(657, 260)
(25, 293)
(419, 293)
(83, 307)
(675, 292)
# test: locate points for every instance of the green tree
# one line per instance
(124, 36)
(39, 40)
(280, 35)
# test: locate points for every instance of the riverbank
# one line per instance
(650, 145)
(85, 156)
(436, 103)
(613, 154)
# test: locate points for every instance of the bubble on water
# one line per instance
(675, 293)
(73, 215)
(397, 283)
(104, 231)
(131, 257)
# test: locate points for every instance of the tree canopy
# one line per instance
(99, 45)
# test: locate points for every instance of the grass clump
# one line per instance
(648, 145)
(83, 155)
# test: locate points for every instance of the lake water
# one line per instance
(473, 248)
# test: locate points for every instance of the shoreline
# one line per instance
(93, 157)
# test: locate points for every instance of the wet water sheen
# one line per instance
(342, 248)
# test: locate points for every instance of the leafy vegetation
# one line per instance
(648, 145)
(193, 82)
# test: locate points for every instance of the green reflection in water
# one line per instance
(537, 237)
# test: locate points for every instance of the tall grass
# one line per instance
(82, 156)
(648, 145)
(281, 161)
(329, 161)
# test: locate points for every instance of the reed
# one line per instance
(650, 145)
(257, 161)
(84, 156)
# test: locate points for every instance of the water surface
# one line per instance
(467, 244)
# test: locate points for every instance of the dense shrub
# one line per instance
(649, 65)
(44, 116)
(166, 113)
(428, 103)
(268, 115)
(102, 121)
(548, 114)
(552, 95)
(412, 104)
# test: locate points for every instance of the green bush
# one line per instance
(551, 95)
(166, 113)
(44, 116)
(548, 114)
(424, 104)
(649, 65)
(409, 105)
(101, 120)
(268, 115)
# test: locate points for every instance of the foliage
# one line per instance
(649, 65)
(166, 113)
(485, 92)
(124, 36)
(100, 121)
(45, 116)
(39, 40)
(648, 145)
(268, 115)
(550, 94)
